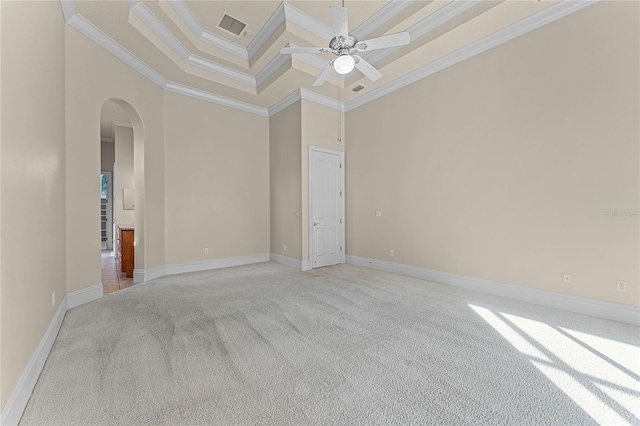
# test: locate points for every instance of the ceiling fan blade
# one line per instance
(291, 50)
(324, 74)
(391, 40)
(340, 17)
(367, 69)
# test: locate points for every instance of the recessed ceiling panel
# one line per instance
(253, 13)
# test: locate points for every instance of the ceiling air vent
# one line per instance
(358, 88)
(232, 25)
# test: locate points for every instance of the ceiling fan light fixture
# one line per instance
(344, 64)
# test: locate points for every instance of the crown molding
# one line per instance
(139, 9)
(310, 95)
(85, 27)
(200, 32)
(222, 70)
(283, 13)
(307, 95)
(309, 23)
(530, 23)
(510, 32)
(431, 22)
(285, 102)
(268, 29)
(148, 18)
(94, 34)
(216, 99)
(383, 15)
(68, 8)
(273, 65)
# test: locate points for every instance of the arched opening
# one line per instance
(122, 194)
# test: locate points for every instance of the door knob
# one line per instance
(316, 223)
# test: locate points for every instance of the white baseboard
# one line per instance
(140, 275)
(18, 399)
(287, 261)
(582, 305)
(84, 295)
(306, 265)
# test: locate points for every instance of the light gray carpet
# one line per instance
(264, 344)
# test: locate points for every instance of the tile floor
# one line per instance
(112, 278)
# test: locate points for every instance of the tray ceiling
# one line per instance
(179, 46)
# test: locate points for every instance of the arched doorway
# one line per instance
(122, 193)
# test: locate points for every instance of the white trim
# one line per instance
(140, 275)
(307, 22)
(18, 399)
(221, 70)
(343, 215)
(159, 29)
(530, 23)
(582, 305)
(431, 22)
(216, 99)
(310, 95)
(285, 102)
(106, 139)
(383, 15)
(204, 265)
(84, 295)
(512, 31)
(163, 33)
(187, 16)
(268, 29)
(269, 69)
(305, 265)
(68, 8)
(94, 34)
(85, 27)
(286, 261)
(198, 30)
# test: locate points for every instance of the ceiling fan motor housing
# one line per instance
(341, 45)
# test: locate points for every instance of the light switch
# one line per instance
(378, 213)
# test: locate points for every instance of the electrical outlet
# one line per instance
(567, 278)
(621, 285)
(378, 213)
(206, 250)
(284, 247)
(53, 299)
(391, 252)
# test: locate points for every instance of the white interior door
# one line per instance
(325, 208)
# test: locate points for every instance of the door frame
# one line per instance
(313, 148)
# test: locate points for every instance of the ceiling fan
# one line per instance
(343, 45)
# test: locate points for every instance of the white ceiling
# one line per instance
(178, 45)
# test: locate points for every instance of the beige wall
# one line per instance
(124, 177)
(32, 152)
(285, 169)
(217, 181)
(92, 77)
(319, 128)
(107, 156)
(501, 167)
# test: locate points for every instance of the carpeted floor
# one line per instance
(264, 344)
